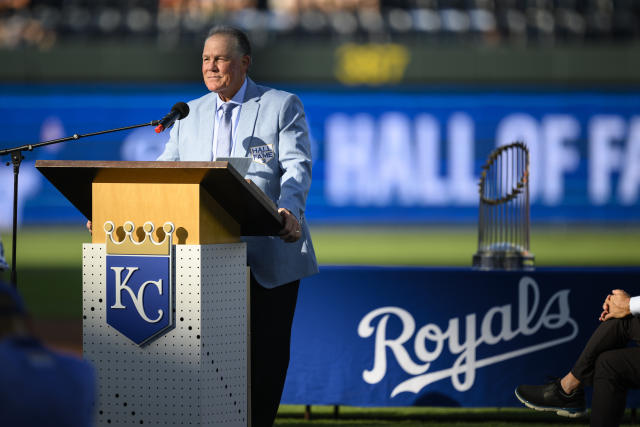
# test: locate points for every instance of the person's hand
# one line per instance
(616, 306)
(89, 226)
(605, 309)
(291, 231)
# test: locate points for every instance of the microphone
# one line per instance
(178, 112)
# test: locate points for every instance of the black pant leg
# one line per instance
(615, 372)
(611, 334)
(271, 320)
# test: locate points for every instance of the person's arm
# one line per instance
(294, 157)
(171, 152)
(617, 305)
(634, 305)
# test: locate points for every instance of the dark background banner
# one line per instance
(375, 336)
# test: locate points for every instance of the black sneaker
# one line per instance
(551, 397)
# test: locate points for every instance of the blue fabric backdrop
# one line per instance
(374, 336)
(407, 154)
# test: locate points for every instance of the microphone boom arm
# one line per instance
(75, 136)
(16, 160)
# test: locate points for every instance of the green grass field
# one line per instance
(293, 415)
(50, 259)
(49, 277)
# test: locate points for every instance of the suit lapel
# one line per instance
(207, 120)
(247, 119)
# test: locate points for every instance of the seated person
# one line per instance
(606, 363)
(39, 387)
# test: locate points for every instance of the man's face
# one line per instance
(223, 66)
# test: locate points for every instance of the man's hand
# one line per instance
(605, 309)
(90, 226)
(616, 306)
(291, 231)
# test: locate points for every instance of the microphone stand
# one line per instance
(16, 160)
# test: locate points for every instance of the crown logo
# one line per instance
(146, 246)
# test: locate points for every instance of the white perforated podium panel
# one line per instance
(196, 374)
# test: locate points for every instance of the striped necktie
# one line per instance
(224, 130)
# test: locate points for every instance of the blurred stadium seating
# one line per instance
(44, 23)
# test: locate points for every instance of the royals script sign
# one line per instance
(440, 336)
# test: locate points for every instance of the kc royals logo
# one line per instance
(139, 283)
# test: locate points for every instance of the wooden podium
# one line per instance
(195, 370)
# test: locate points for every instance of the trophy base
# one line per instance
(503, 261)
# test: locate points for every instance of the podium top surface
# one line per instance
(242, 199)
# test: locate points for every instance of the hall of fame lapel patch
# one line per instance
(262, 153)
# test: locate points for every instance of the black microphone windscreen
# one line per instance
(182, 109)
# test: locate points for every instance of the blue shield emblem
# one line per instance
(139, 293)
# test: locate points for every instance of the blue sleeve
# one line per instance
(171, 151)
(294, 157)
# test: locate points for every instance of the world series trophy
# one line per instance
(504, 220)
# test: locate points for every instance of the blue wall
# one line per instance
(412, 155)
(375, 336)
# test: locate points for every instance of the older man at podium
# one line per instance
(239, 118)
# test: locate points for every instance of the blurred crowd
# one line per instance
(43, 23)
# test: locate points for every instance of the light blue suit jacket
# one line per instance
(272, 127)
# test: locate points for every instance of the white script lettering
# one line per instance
(430, 340)
(121, 285)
